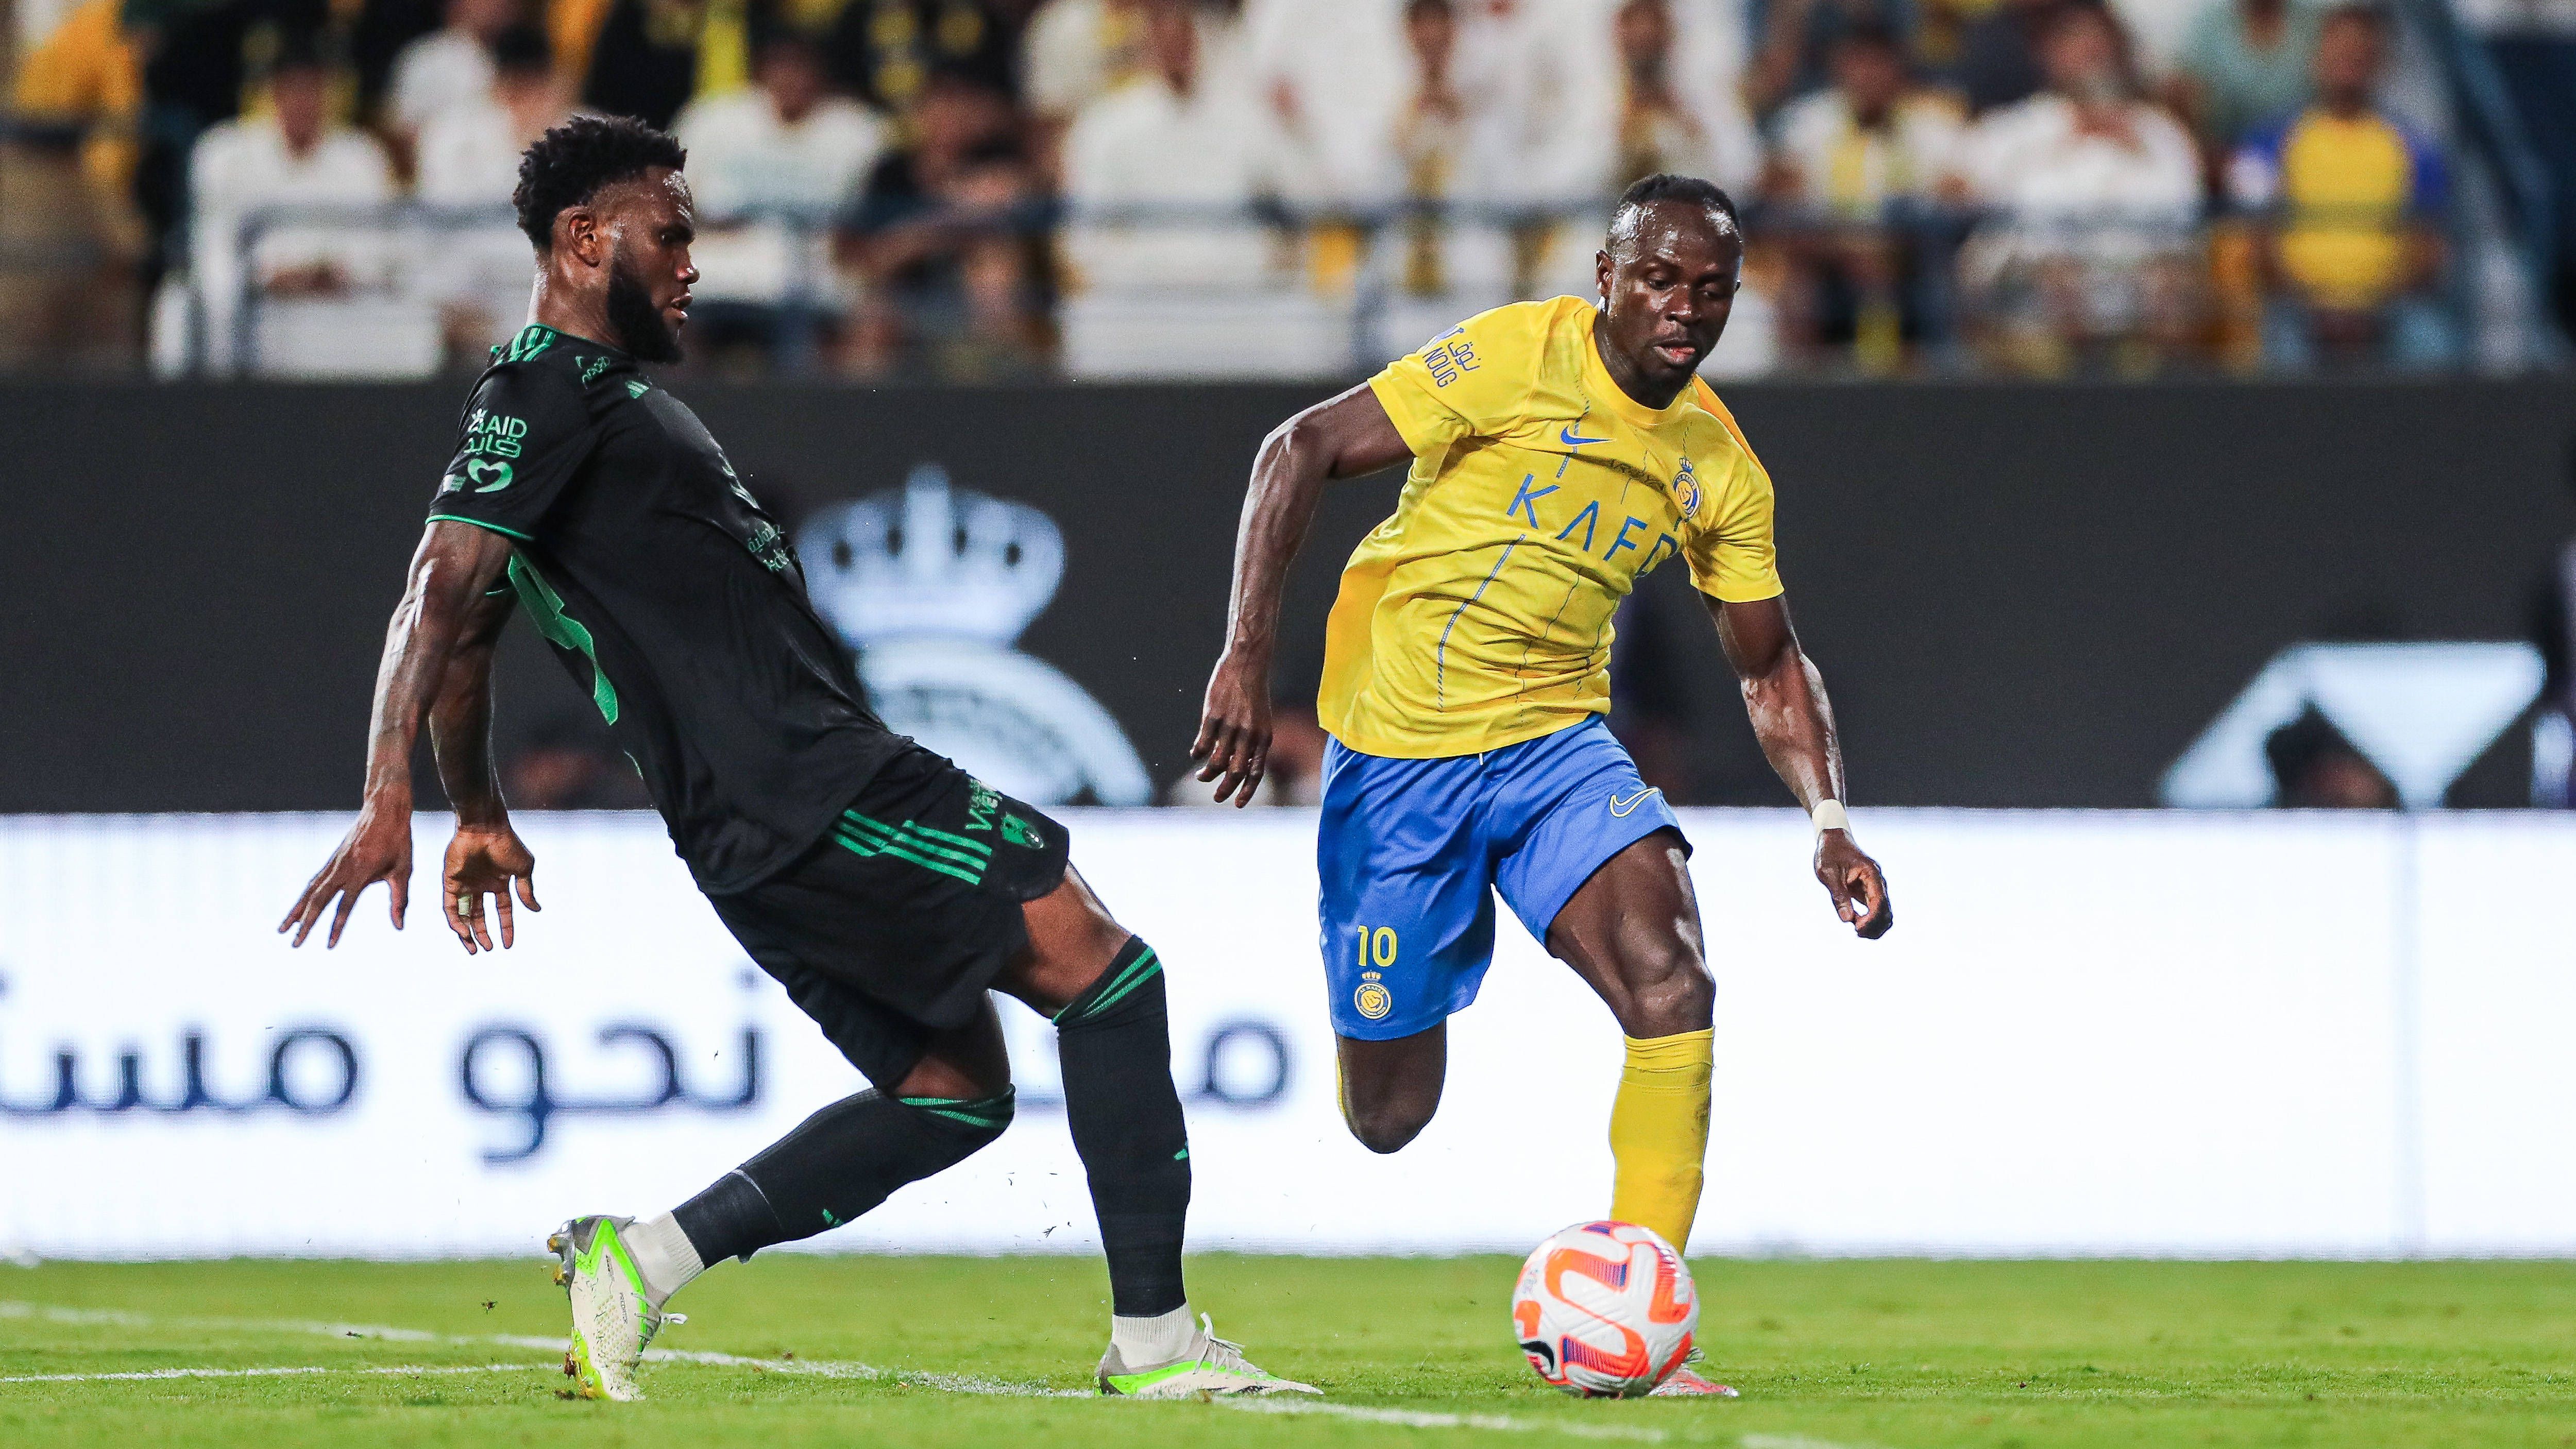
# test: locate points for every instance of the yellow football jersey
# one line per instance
(1478, 615)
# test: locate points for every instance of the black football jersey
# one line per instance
(671, 596)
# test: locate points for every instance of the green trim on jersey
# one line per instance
(531, 342)
(481, 523)
(545, 609)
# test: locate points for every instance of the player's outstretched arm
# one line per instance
(1349, 436)
(455, 564)
(486, 857)
(1784, 694)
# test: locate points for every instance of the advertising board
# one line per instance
(2089, 1033)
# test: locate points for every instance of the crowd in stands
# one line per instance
(957, 187)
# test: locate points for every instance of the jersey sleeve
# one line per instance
(525, 434)
(1470, 381)
(1729, 544)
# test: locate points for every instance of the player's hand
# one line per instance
(1858, 886)
(486, 860)
(377, 848)
(1233, 746)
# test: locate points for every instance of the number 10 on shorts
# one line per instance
(1377, 946)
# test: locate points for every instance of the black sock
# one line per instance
(837, 1164)
(1115, 1042)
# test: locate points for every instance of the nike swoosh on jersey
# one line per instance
(1622, 808)
(1570, 439)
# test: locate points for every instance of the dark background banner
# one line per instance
(2030, 596)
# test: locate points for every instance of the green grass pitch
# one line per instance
(1830, 1355)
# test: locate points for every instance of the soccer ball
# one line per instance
(1605, 1310)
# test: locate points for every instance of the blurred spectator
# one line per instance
(1431, 121)
(784, 146)
(2315, 768)
(1999, 61)
(1331, 76)
(202, 60)
(1077, 51)
(1166, 141)
(1446, 248)
(379, 35)
(294, 155)
(469, 152)
(2243, 63)
(885, 51)
(469, 157)
(945, 237)
(646, 61)
(2095, 196)
(1798, 38)
(1856, 168)
(1544, 88)
(448, 68)
(2355, 194)
(87, 74)
(1665, 122)
(70, 238)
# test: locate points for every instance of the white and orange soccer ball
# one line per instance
(1605, 1310)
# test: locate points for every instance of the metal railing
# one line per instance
(1954, 290)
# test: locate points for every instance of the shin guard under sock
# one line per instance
(837, 1164)
(1115, 1044)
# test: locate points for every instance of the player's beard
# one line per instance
(632, 313)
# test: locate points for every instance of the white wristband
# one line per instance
(1829, 815)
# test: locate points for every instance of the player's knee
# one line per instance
(1384, 1127)
(1669, 994)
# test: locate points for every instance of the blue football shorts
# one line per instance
(1411, 852)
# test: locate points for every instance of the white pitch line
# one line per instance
(811, 1368)
(840, 1369)
(814, 1368)
(1428, 1419)
(402, 1370)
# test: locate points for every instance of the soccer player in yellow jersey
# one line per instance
(1559, 449)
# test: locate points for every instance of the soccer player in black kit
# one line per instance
(887, 890)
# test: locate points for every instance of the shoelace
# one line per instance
(1224, 1353)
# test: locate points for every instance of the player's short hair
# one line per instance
(1662, 187)
(2368, 13)
(571, 163)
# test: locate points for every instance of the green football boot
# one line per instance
(1210, 1365)
(612, 1320)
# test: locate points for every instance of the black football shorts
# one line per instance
(889, 931)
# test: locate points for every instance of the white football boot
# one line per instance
(1210, 1365)
(612, 1320)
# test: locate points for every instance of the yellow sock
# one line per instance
(1659, 1132)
